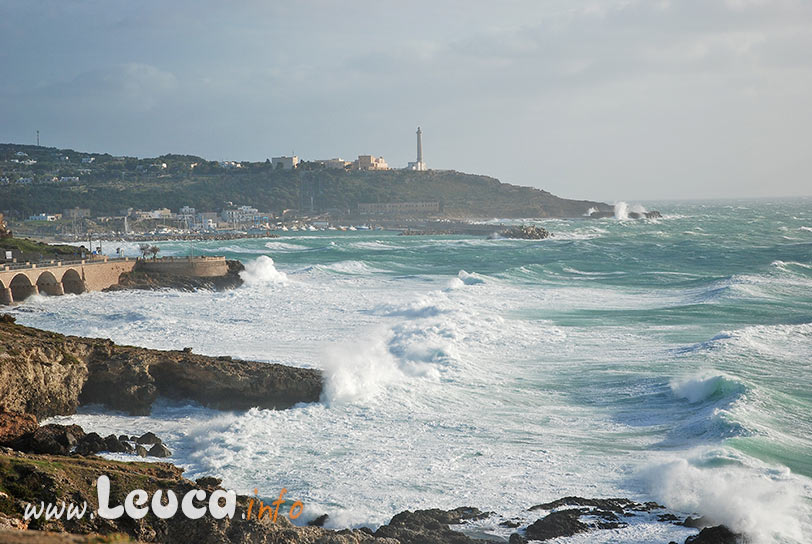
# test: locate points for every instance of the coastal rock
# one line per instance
(430, 526)
(91, 444)
(50, 439)
(72, 479)
(209, 482)
(140, 451)
(113, 444)
(557, 524)
(148, 438)
(526, 232)
(47, 374)
(15, 424)
(319, 521)
(715, 535)
(159, 450)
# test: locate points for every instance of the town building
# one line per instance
(75, 213)
(45, 217)
(399, 208)
(187, 215)
(207, 220)
(368, 162)
(284, 162)
(334, 164)
(161, 213)
(241, 214)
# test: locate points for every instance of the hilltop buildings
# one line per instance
(363, 162)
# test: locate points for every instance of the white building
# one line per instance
(241, 214)
(161, 213)
(285, 163)
(334, 164)
(44, 217)
(368, 162)
(229, 164)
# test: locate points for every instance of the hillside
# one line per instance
(39, 179)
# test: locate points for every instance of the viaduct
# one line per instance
(20, 281)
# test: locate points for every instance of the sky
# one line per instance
(603, 99)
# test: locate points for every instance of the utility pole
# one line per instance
(38, 138)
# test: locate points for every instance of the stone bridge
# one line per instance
(19, 281)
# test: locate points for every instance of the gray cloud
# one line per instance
(606, 99)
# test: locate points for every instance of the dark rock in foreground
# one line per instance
(716, 535)
(430, 526)
(46, 374)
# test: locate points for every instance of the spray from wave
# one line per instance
(261, 271)
(761, 504)
(622, 210)
(704, 387)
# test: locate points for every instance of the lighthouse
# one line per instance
(418, 164)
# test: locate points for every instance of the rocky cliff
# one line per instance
(46, 374)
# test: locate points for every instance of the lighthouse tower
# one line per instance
(418, 164)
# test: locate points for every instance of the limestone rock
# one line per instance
(46, 374)
(15, 424)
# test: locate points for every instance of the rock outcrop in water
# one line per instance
(47, 374)
(654, 214)
(526, 232)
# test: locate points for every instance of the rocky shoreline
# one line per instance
(43, 374)
(48, 374)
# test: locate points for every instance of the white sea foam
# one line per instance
(701, 388)
(261, 271)
(763, 504)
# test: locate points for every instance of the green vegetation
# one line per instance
(26, 248)
(110, 185)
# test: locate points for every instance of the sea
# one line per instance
(659, 359)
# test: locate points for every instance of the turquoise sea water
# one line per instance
(658, 359)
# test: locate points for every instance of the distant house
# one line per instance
(229, 164)
(21, 154)
(285, 163)
(45, 217)
(88, 160)
(369, 162)
(69, 179)
(25, 181)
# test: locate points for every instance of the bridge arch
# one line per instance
(72, 282)
(48, 284)
(22, 288)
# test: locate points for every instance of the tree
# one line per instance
(154, 250)
(144, 249)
